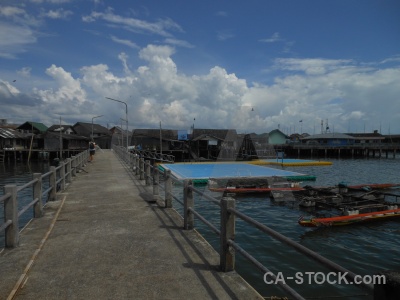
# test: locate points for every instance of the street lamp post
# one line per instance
(92, 124)
(126, 111)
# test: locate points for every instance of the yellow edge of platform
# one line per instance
(293, 164)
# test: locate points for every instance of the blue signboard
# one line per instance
(182, 135)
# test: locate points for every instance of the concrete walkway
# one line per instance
(102, 239)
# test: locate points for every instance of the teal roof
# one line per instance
(39, 126)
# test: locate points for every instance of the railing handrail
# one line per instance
(190, 212)
(56, 176)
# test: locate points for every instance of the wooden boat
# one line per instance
(255, 190)
(352, 217)
(375, 186)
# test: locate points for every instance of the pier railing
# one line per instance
(228, 215)
(152, 155)
(44, 188)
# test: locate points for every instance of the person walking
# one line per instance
(92, 150)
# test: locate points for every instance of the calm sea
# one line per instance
(362, 249)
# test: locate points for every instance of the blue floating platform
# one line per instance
(201, 172)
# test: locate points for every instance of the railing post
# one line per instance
(141, 167)
(188, 202)
(53, 184)
(62, 175)
(227, 253)
(168, 188)
(147, 172)
(73, 162)
(137, 170)
(11, 213)
(131, 161)
(69, 175)
(156, 182)
(37, 194)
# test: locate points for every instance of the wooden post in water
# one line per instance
(227, 254)
(11, 214)
(37, 194)
(188, 202)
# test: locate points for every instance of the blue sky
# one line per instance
(250, 65)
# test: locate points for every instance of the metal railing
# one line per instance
(153, 155)
(57, 178)
(228, 214)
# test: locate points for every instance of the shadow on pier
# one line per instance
(103, 239)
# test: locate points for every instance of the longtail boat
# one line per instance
(392, 211)
(243, 190)
(375, 186)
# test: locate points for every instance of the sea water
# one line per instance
(364, 249)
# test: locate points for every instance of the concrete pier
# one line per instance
(103, 239)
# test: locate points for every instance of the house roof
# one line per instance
(50, 134)
(278, 132)
(38, 126)
(373, 135)
(206, 137)
(221, 134)
(333, 135)
(56, 128)
(98, 129)
(8, 133)
(166, 134)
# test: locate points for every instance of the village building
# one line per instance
(99, 134)
(277, 137)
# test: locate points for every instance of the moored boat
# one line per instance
(352, 217)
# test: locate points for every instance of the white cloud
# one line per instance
(69, 90)
(180, 43)
(25, 72)
(124, 42)
(57, 14)
(161, 27)
(223, 35)
(274, 38)
(14, 39)
(346, 93)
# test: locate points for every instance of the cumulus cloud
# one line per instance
(344, 92)
(69, 90)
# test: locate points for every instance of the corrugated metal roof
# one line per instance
(8, 133)
(334, 135)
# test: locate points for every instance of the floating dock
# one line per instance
(290, 162)
(201, 172)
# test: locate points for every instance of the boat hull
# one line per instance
(256, 190)
(348, 220)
